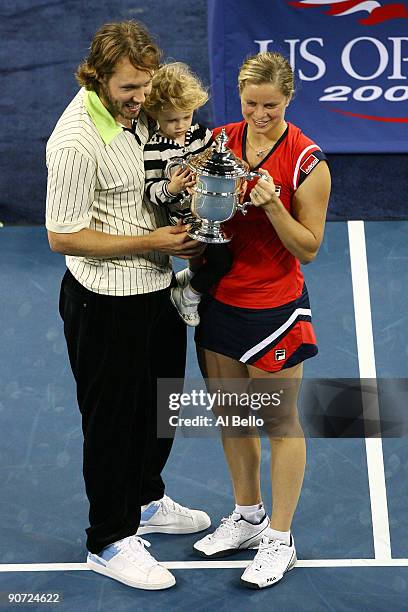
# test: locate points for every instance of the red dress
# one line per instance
(264, 274)
(259, 312)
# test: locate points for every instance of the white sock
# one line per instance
(252, 514)
(189, 295)
(284, 536)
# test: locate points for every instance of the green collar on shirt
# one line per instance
(101, 117)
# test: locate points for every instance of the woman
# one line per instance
(256, 327)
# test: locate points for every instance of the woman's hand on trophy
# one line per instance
(264, 193)
(181, 180)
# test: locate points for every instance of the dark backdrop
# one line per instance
(41, 44)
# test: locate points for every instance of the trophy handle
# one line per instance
(251, 175)
(242, 206)
(174, 163)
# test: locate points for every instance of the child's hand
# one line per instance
(181, 180)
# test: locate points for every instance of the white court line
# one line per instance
(71, 567)
(366, 360)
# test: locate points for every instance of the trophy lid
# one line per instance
(218, 160)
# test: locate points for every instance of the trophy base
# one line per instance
(211, 233)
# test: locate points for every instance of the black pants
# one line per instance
(118, 347)
(218, 261)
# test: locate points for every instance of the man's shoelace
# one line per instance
(134, 549)
(168, 505)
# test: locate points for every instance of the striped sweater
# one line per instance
(157, 153)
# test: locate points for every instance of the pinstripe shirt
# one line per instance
(96, 181)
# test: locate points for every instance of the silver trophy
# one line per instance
(215, 197)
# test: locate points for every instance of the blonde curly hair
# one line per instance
(175, 87)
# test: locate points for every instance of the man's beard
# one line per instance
(114, 107)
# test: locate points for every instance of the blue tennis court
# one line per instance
(351, 523)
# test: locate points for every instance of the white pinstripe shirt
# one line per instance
(96, 181)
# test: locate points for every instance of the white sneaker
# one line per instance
(233, 534)
(273, 559)
(187, 310)
(183, 277)
(167, 516)
(129, 562)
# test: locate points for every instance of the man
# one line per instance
(122, 331)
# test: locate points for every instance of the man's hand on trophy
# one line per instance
(175, 241)
(181, 179)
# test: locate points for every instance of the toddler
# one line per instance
(176, 94)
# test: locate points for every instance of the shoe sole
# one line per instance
(225, 553)
(233, 551)
(100, 569)
(170, 530)
(182, 318)
(253, 585)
